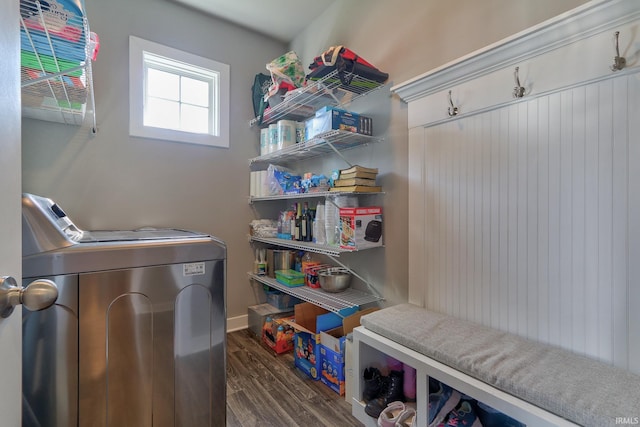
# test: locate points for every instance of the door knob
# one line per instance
(38, 295)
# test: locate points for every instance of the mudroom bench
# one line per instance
(534, 383)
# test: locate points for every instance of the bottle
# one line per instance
(312, 221)
(292, 222)
(306, 262)
(298, 222)
(305, 224)
(279, 226)
(298, 262)
(266, 327)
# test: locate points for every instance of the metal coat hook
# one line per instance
(619, 62)
(518, 91)
(453, 110)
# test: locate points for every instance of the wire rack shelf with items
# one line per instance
(336, 303)
(313, 115)
(328, 90)
(57, 48)
(332, 251)
(322, 194)
(333, 141)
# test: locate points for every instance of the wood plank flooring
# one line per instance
(267, 390)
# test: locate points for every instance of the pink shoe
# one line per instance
(391, 414)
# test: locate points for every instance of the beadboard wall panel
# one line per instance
(525, 214)
(524, 218)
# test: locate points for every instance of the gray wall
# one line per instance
(113, 181)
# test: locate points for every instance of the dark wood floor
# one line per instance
(267, 390)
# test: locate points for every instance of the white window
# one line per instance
(177, 96)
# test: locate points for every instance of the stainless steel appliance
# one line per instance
(137, 335)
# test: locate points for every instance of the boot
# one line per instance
(372, 384)
(392, 393)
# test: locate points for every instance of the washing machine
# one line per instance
(137, 334)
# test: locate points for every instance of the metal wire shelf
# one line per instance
(335, 302)
(333, 141)
(56, 73)
(303, 246)
(328, 90)
(324, 194)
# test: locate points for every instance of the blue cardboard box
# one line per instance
(332, 118)
(309, 321)
(332, 354)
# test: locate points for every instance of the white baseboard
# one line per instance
(237, 323)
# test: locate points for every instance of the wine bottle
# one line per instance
(298, 222)
(304, 224)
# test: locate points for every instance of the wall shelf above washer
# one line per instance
(56, 52)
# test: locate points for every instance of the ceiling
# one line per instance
(279, 19)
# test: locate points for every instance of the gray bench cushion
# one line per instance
(578, 388)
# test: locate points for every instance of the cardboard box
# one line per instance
(332, 118)
(310, 320)
(360, 228)
(257, 314)
(278, 335)
(332, 352)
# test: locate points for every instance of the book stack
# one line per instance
(357, 179)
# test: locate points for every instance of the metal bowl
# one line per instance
(334, 279)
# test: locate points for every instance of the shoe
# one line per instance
(392, 392)
(441, 402)
(407, 418)
(390, 415)
(490, 417)
(372, 384)
(462, 416)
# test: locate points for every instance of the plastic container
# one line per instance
(290, 277)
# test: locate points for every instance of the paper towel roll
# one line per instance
(264, 141)
(253, 179)
(286, 133)
(273, 138)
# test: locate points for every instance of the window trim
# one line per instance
(137, 48)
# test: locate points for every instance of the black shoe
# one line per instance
(392, 393)
(373, 384)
